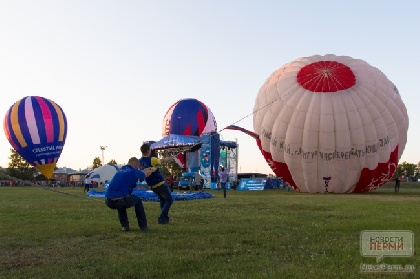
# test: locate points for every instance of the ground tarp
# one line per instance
(150, 196)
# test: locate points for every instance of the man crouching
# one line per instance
(119, 194)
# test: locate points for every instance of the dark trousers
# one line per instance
(86, 188)
(165, 200)
(121, 206)
(224, 188)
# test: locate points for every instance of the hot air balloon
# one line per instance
(185, 121)
(331, 124)
(188, 117)
(103, 173)
(36, 128)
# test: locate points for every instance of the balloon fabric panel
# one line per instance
(6, 125)
(16, 126)
(30, 117)
(188, 117)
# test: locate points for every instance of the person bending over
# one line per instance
(119, 194)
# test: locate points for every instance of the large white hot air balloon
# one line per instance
(331, 124)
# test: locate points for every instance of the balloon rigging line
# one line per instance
(186, 149)
(252, 113)
(246, 116)
(64, 193)
(257, 110)
(46, 188)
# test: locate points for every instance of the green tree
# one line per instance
(170, 168)
(417, 170)
(406, 169)
(113, 162)
(96, 163)
(19, 168)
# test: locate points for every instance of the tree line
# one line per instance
(19, 168)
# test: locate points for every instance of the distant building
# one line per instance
(70, 176)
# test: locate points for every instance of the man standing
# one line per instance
(197, 180)
(223, 175)
(156, 182)
(87, 184)
(119, 194)
(397, 184)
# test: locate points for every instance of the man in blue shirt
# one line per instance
(157, 182)
(119, 194)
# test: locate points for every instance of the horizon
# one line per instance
(116, 68)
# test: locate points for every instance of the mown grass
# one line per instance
(251, 234)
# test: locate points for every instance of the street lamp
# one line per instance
(102, 147)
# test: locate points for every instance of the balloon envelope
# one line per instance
(103, 173)
(188, 117)
(331, 124)
(37, 128)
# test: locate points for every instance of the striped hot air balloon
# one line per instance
(36, 128)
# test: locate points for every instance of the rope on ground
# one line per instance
(25, 182)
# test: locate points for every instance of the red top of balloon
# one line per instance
(326, 76)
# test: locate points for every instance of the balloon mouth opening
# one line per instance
(47, 169)
(326, 76)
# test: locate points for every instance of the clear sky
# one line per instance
(115, 67)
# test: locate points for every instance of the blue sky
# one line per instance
(115, 67)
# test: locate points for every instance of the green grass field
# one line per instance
(251, 234)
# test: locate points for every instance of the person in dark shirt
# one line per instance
(119, 194)
(397, 185)
(170, 183)
(87, 184)
(223, 175)
(157, 182)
